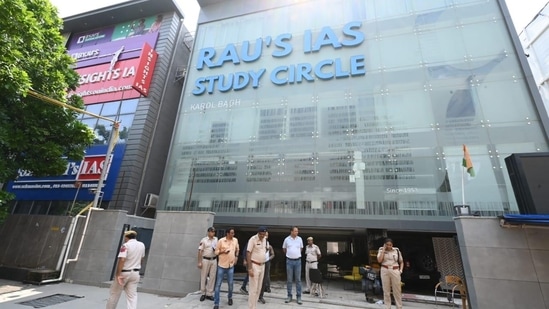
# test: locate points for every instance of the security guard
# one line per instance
(312, 254)
(207, 263)
(127, 272)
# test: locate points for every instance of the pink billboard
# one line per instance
(117, 80)
(108, 82)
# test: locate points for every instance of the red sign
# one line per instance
(108, 82)
(145, 69)
(91, 168)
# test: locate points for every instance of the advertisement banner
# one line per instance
(145, 70)
(112, 51)
(80, 177)
(92, 37)
(121, 31)
(141, 26)
(108, 82)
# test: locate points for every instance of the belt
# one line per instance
(210, 258)
(257, 263)
(390, 267)
(312, 261)
(293, 259)
(129, 270)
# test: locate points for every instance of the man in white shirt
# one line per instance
(293, 246)
(127, 271)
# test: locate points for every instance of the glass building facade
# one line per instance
(352, 110)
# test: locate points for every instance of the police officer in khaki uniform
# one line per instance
(207, 263)
(127, 272)
(255, 257)
(392, 265)
(312, 254)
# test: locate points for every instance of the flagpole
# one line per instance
(462, 186)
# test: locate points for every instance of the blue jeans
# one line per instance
(245, 281)
(293, 271)
(219, 279)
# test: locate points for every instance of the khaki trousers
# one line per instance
(209, 269)
(390, 279)
(256, 282)
(307, 267)
(131, 279)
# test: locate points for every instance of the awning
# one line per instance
(527, 219)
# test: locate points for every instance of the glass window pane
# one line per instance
(94, 108)
(90, 122)
(22, 207)
(110, 109)
(102, 131)
(125, 125)
(128, 106)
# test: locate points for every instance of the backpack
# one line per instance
(371, 275)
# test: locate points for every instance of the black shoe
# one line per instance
(262, 300)
(202, 297)
(216, 307)
(306, 292)
(267, 290)
(210, 297)
(244, 291)
(370, 300)
(230, 301)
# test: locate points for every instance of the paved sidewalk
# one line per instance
(91, 297)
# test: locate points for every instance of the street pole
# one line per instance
(112, 141)
(78, 185)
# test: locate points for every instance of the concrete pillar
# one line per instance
(171, 266)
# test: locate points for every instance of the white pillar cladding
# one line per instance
(358, 176)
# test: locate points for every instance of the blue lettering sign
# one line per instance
(235, 81)
(286, 47)
(357, 36)
(325, 69)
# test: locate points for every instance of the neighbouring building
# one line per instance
(535, 41)
(132, 59)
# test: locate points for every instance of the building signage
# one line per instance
(121, 31)
(80, 177)
(104, 53)
(281, 46)
(92, 37)
(108, 82)
(145, 70)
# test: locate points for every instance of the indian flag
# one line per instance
(467, 163)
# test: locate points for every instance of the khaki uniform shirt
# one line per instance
(207, 246)
(312, 253)
(257, 249)
(392, 258)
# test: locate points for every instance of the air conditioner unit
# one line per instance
(151, 200)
